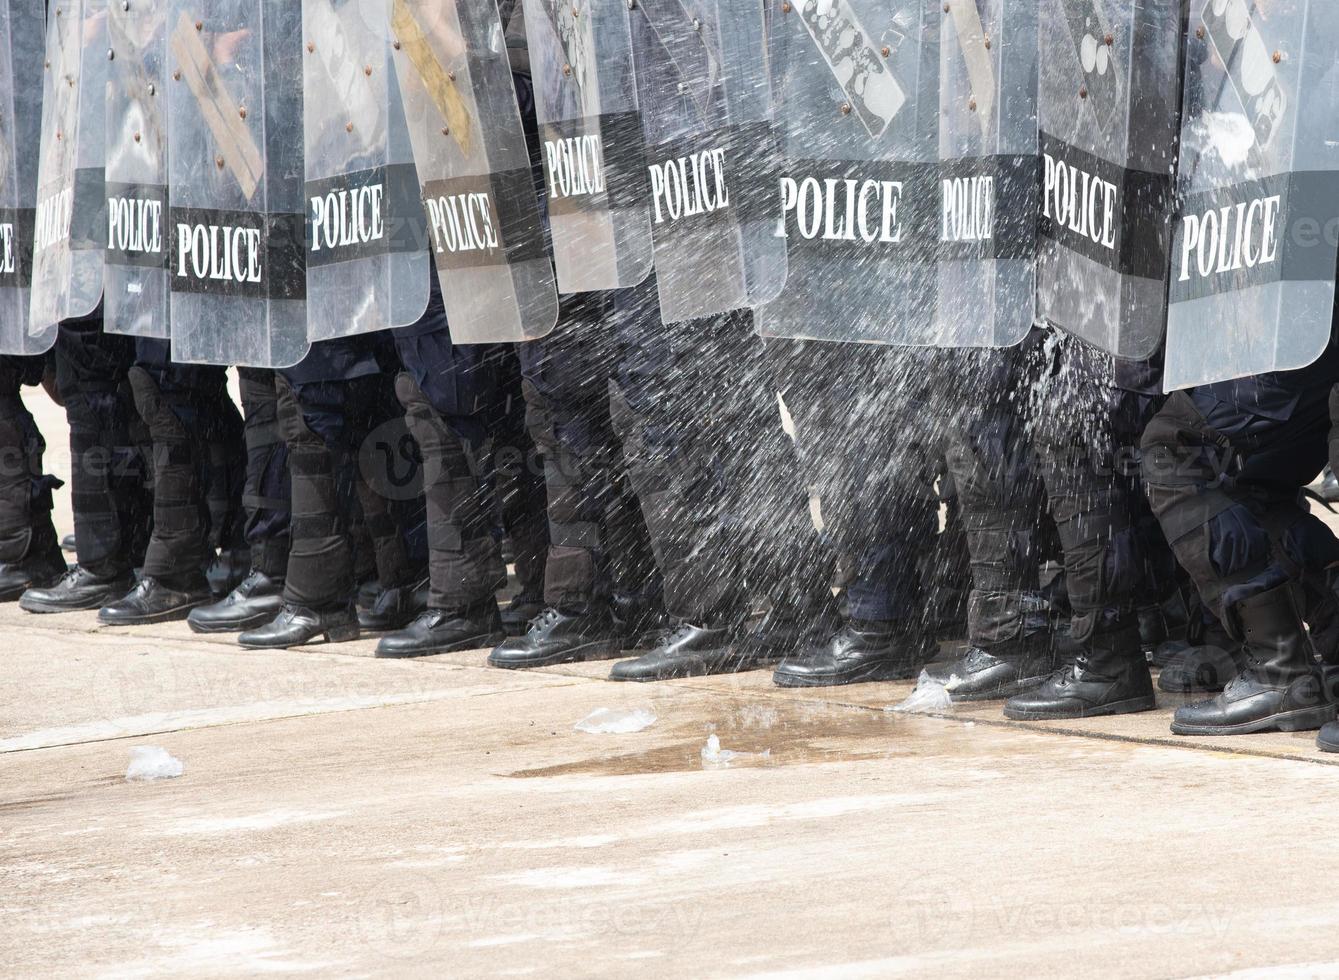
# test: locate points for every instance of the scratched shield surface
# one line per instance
(69, 233)
(1253, 258)
(591, 142)
(137, 291)
(367, 250)
(856, 85)
(485, 226)
(235, 182)
(22, 45)
(711, 153)
(989, 173)
(1108, 108)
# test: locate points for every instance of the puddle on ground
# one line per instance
(790, 733)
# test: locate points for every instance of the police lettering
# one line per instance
(967, 206)
(53, 219)
(575, 165)
(347, 217)
(462, 223)
(134, 225)
(219, 253)
(1234, 237)
(7, 250)
(690, 185)
(1079, 201)
(842, 209)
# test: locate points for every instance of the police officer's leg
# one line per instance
(109, 481)
(258, 598)
(566, 388)
(176, 403)
(30, 553)
(1241, 536)
(1091, 486)
(226, 486)
(319, 589)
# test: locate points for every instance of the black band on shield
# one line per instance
(1015, 191)
(141, 204)
(16, 247)
(88, 218)
(622, 162)
(238, 253)
(399, 217)
(484, 220)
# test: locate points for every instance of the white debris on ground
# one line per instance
(151, 762)
(616, 721)
(928, 697)
(713, 754)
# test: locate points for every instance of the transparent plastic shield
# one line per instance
(235, 182)
(1108, 108)
(1253, 259)
(135, 278)
(856, 85)
(989, 173)
(485, 227)
(70, 231)
(594, 176)
(713, 168)
(22, 42)
(367, 255)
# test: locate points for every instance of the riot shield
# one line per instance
(856, 85)
(22, 41)
(69, 232)
(989, 173)
(712, 161)
(135, 278)
(367, 256)
(485, 225)
(236, 258)
(591, 137)
(1253, 258)
(1108, 109)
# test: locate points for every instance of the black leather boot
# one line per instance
(1001, 672)
(522, 608)
(858, 652)
(78, 589)
(1329, 486)
(296, 625)
(255, 602)
(691, 651)
(439, 631)
(395, 609)
(67, 543)
(33, 572)
(1110, 677)
(1279, 688)
(1327, 739)
(639, 619)
(227, 570)
(556, 637)
(152, 601)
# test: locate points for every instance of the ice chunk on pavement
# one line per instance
(713, 754)
(929, 696)
(151, 762)
(616, 721)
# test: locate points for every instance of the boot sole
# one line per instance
(1327, 746)
(165, 616)
(999, 693)
(868, 676)
(340, 634)
(473, 643)
(37, 606)
(604, 650)
(232, 626)
(1299, 720)
(1187, 689)
(1127, 707)
(726, 665)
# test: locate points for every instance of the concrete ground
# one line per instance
(342, 815)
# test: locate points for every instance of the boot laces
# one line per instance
(544, 620)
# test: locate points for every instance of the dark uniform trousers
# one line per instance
(265, 496)
(1225, 465)
(355, 484)
(26, 530)
(859, 414)
(463, 407)
(111, 484)
(598, 541)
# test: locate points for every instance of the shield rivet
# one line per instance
(971, 103)
(218, 162)
(697, 24)
(987, 42)
(58, 11)
(46, 65)
(885, 51)
(348, 127)
(1199, 33)
(199, 25)
(367, 70)
(153, 89)
(137, 137)
(126, 5)
(946, 8)
(111, 55)
(785, 8)
(1083, 92)
(446, 130)
(176, 75)
(311, 46)
(59, 136)
(846, 108)
(1110, 40)
(242, 112)
(450, 76)
(632, 4)
(395, 45)
(1278, 56)
(567, 71)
